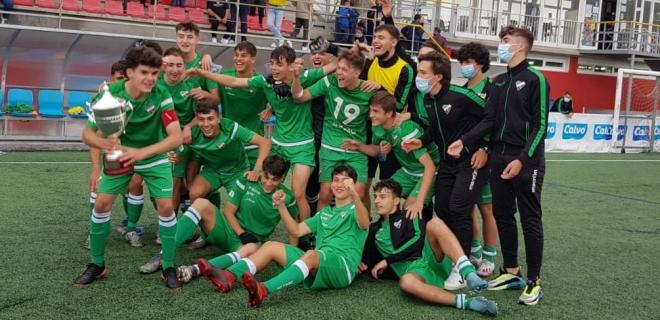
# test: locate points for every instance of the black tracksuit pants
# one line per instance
(523, 194)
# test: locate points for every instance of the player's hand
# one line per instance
(361, 47)
(94, 177)
(349, 185)
(186, 133)
(479, 159)
(411, 145)
(401, 117)
(455, 149)
(173, 157)
(207, 62)
(378, 268)
(252, 176)
(384, 147)
(131, 155)
(193, 72)
(278, 198)
(362, 267)
(198, 94)
(387, 8)
(570, 115)
(368, 86)
(350, 145)
(414, 210)
(266, 114)
(512, 170)
(112, 142)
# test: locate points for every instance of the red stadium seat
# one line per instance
(253, 24)
(198, 16)
(28, 3)
(201, 4)
(49, 4)
(136, 9)
(160, 12)
(287, 26)
(114, 7)
(165, 2)
(190, 4)
(178, 14)
(93, 6)
(71, 5)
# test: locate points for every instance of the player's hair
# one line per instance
(153, 45)
(174, 51)
(353, 59)
(392, 30)
(429, 44)
(417, 17)
(476, 51)
(285, 53)
(524, 33)
(247, 47)
(187, 26)
(439, 65)
(204, 107)
(119, 66)
(384, 100)
(276, 166)
(143, 56)
(391, 185)
(346, 170)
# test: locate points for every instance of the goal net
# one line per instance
(635, 124)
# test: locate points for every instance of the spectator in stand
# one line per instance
(274, 21)
(240, 10)
(217, 12)
(373, 20)
(345, 16)
(359, 31)
(303, 11)
(178, 3)
(439, 38)
(414, 34)
(564, 105)
(7, 5)
(261, 10)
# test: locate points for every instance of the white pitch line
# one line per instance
(44, 162)
(549, 160)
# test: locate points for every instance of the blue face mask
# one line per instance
(422, 85)
(468, 71)
(503, 52)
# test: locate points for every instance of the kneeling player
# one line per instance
(340, 234)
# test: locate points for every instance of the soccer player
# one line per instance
(422, 256)
(340, 234)
(475, 61)
(244, 105)
(346, 112)
(293, 137)
(187, 38)
(516, 118)
(247, 220)
(417, 171)
(152, 129)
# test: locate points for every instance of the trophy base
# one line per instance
(113, 167)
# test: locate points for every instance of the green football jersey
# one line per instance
(386, 248)
(144, 123)
(223, 153)
(256, 212)
(184, 105)
(407, 130)
(243, 105)
(346, 112)
(201, 82)
(337, 230)
(294, 120)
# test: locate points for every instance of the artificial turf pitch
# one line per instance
(602, 234)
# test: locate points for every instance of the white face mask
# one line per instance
(567, 98)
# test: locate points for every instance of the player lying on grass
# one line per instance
(422, 265)
(340, 234)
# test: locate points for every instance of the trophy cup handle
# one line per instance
(89, 113)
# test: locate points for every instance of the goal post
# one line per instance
(635, 124)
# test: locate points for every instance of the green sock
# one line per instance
(124, 202)
(99, 230)
(226, 260)
(475, 250)
(134, 205)
(294, 274)
(186, 226)
(490, 253)
(464, 266)
(238, 268)
(167, 231)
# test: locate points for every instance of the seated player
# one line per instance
(417, 171)
(247, 220)
(422, 271)
(340, 234)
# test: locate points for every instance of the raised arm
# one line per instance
(222, 79)
(294, 228)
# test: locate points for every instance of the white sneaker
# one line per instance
(275, 44)
(289, 43)
(305, 48)
(197, 244)
(454, 282)
(153, 265)
(225, 41)
(214, 40)
(231, 41)
(134, 239)
(121, 229)
(186, 274)
(486, 268)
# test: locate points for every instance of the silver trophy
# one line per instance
(110, 115)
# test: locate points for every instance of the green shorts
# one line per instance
(411, 183)
(179, 169)
(222, 236)
(486, 197)
(218, 180)
(157, 174)
(252, 153)
(296, 154)
(428, 267)
(330, 159)
(334, 271)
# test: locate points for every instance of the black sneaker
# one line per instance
(91, 274)
(169, 276)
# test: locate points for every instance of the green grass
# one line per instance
(602, 231)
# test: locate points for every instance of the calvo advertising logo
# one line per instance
(550, 133)
(641, 133)
(603, 131)
(574, 131)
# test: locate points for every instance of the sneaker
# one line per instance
(475, 261)
(275, 44)
(289, 43)
(486, 268)
(454, 281)
(224, 41)
(186, 274)
(257, 293)
(121, 228)
(223, 280)
(483, 306)
(304, 48)
(474, 283)
(171, 282)
(531, 294)
(197, 244)
(154, 264)
(91, 274)
(506, 281)
(134, 239)
(214, 40)
(231, 41)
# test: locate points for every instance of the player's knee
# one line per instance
(165, 209)
(248, 249)
(407, 283)
(434, 225)
(195, 194)
(200, 204)
(102, 205)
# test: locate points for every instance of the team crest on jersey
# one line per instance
(221, 145)
(150, 109)
(397, 224)
(446, 108)
(343, 214)
(184, 93)
(482, 95)
(520, 85)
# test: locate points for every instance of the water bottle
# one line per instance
(269, 125)
(382, 157)
(216, 68)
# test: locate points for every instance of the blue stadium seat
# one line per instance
(50, 104)
(2, 109)
(16, 96)
(78, 98)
